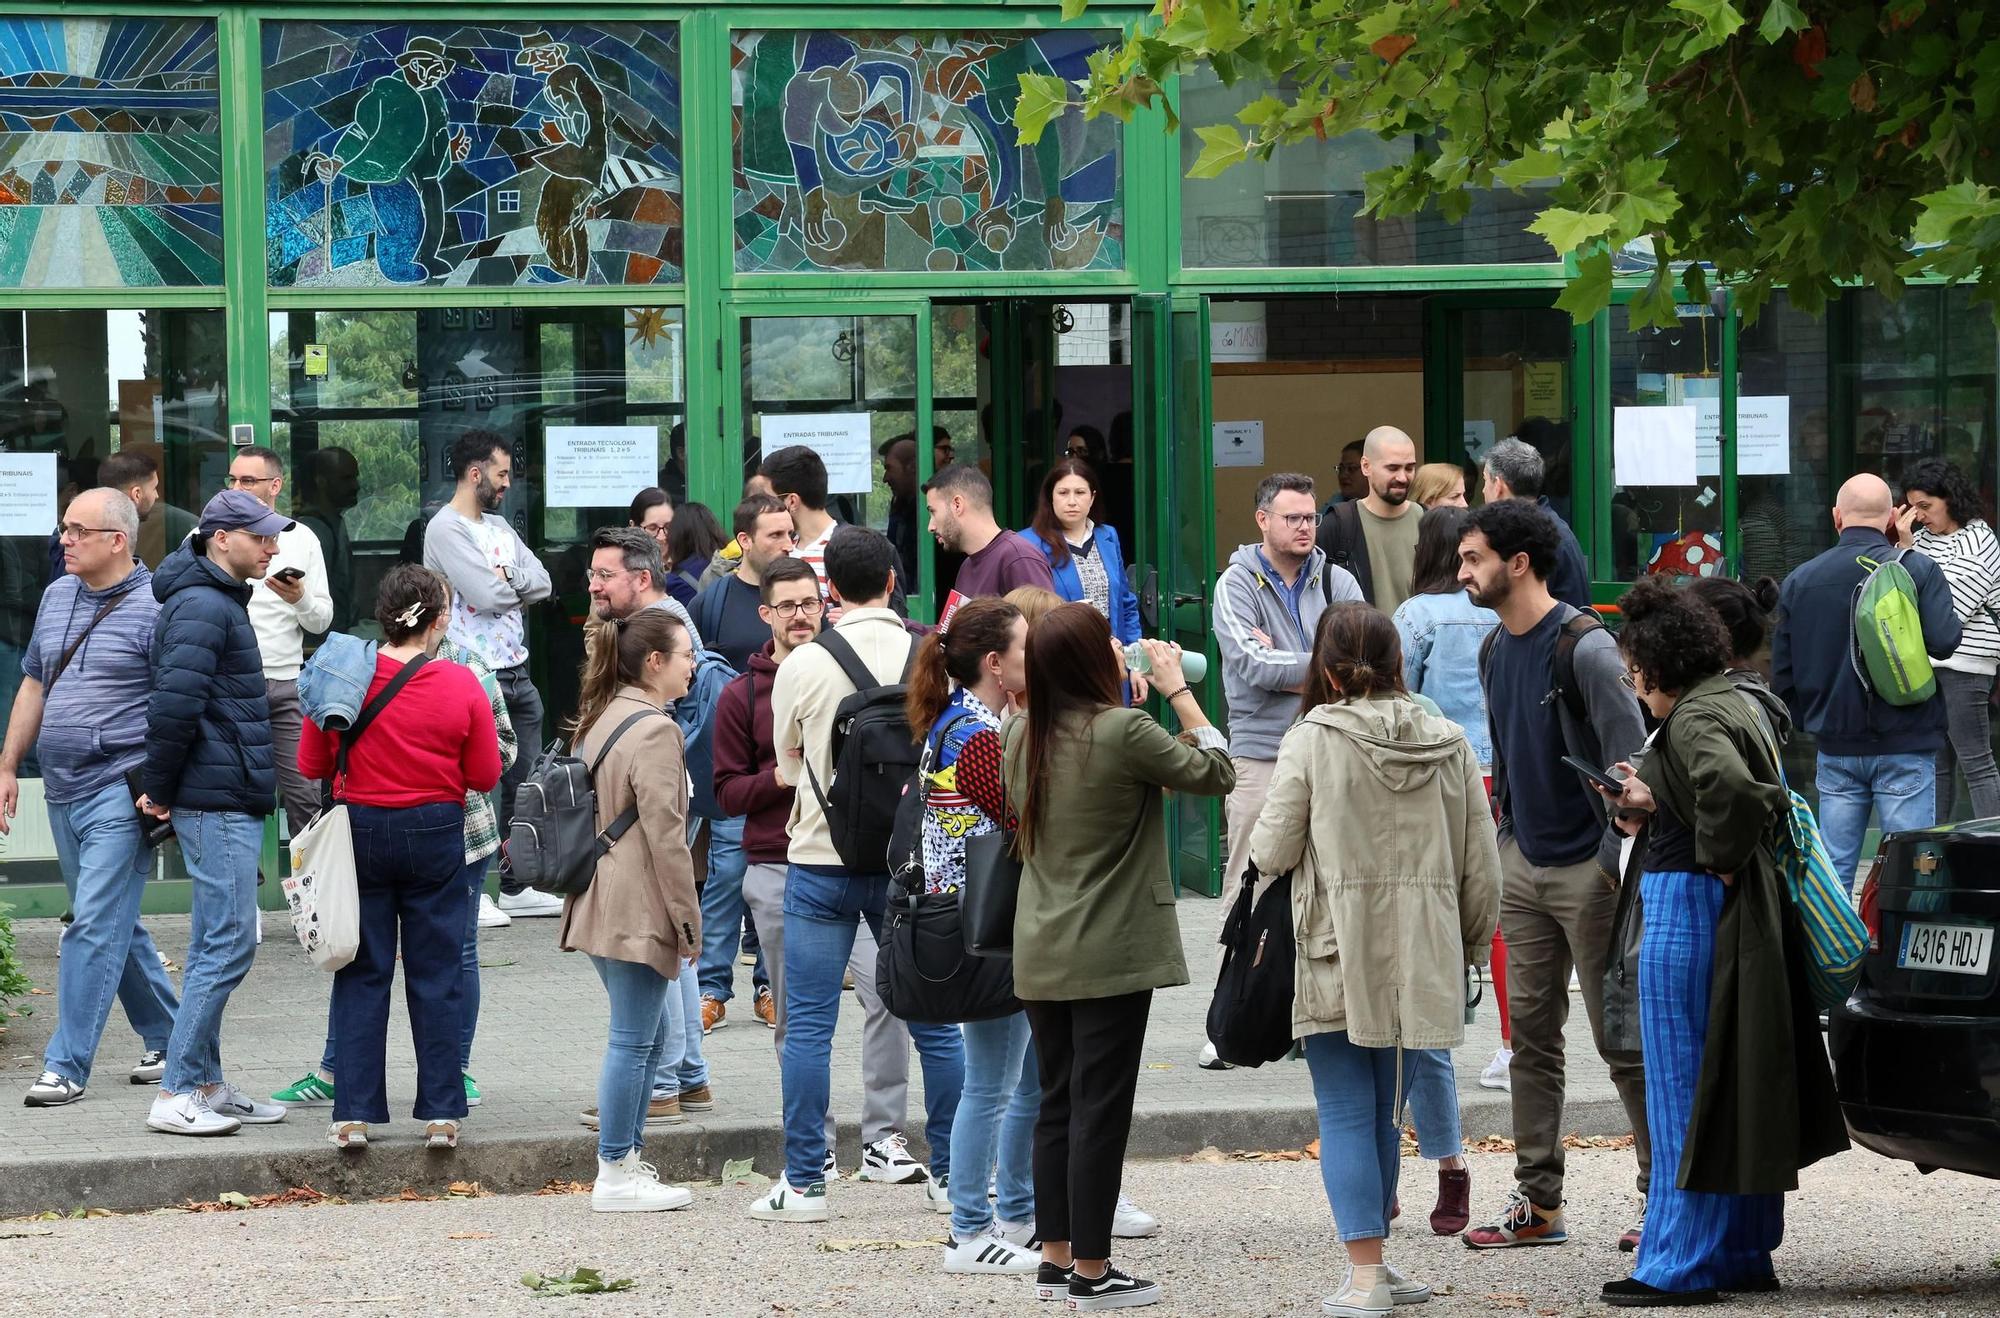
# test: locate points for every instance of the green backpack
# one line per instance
(1889, 654)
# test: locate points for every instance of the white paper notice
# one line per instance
(1479, 439)
(843, 441)
(1707, 435)
(1653, 445)
(1764, 435)
(599, 466)
(27, 493)
(1239, 443)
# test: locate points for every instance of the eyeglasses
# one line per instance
(1349, 468)
(792, 608)
(657, 532)
(245, 482)
(268, 541)
(1078, 450)
(1300, 521)
(608, 573)
(71, 531)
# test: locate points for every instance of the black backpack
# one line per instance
(1250, 1017)
(873, 760)
(552, 841)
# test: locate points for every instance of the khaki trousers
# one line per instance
(1246, 802)
(1555, 919)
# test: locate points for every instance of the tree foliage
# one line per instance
(1778, 144)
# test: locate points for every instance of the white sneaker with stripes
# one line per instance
(987, 1252)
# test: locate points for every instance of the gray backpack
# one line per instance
(553, 842)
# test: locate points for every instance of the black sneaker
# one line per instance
(1052, 1282)
(1631, 1293)
(1114, 1290)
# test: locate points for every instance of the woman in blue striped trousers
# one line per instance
(1728, 1033)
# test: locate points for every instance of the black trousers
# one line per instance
(524, 710)
(1089, 1053)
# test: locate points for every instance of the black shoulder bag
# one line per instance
(1250, 1016)
(926, 972)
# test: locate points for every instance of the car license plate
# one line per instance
(1954, 948)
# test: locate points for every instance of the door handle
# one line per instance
(1149, 600)
(1180, 599)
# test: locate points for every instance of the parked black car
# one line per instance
(1916, 1047)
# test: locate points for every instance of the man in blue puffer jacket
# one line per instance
(209, 768)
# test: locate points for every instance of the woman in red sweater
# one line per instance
(404, 782)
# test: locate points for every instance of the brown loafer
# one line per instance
(1454, 1206)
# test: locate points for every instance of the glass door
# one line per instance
(1176, 573)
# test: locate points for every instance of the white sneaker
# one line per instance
(1496, 1075)
(441, 1133)
(52, 1090)
(189, 1114)
(528, 903)
(830, 1169)
(781, 1203)
(937, 1194)
(491, 916)
(1402, 1290)
(988, 1253)
(1365, 1294)
(152, 1065)
(632, 1186)
(229, 1101)
(258, 925)
(888, 1161)
(1210, 1062)
(1130, 1222)
(1017, 1233)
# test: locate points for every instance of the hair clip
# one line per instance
(411, 616)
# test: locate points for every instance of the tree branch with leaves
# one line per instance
(1775, 144)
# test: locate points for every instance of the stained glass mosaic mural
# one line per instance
(458, 154)
(110, 153)
(897, 151)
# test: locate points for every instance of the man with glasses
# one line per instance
(208, 769)
(290, 602)
(494, 577)
(1352, 483)
(1267, 605)
(82, 704)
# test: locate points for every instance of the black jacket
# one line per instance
(1812, 651)
(208, 734)
(1341, 536)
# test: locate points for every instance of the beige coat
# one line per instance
(642, 905)
(1378, 809)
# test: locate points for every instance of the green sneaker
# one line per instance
(471, 1092)
(309, 1092)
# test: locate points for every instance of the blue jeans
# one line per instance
(474, 875)
(722, 912)
(1355, 1089)
(824, 905)
(681, 1065)
(1000, 1073)
(408, 863)
(106, 952)
(220, 850)
(1902, 789)
(639, 996)
(1431, 1088)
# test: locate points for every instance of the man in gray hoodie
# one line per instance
(1267, 607)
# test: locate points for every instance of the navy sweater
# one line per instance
(1813, 658)
(208, 743)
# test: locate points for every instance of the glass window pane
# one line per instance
(110, 153)
(1672, 529)
(1784, 519)
(77, 387)
(442, 153)
(1302, 207)
(897, 151)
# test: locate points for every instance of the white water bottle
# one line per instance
(1194, 664)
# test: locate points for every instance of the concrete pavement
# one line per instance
(541, 1037)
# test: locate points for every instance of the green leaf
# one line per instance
(1719, 21)
(1530, 169)
(1044, 98)
(1073, 9)
(1221, 148)
(235, 1199)
(739, 1169)
(1947, 208)
(1567, 230)
(1590, 292)
(1780, 17)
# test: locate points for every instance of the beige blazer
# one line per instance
(642, 905)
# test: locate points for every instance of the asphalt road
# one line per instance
(1864, 1236)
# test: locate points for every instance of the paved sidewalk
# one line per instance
(541, 1036)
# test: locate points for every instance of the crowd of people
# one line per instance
(1404, 676)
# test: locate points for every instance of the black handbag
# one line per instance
(924, 972)
(991, 892)
(1250, 1017)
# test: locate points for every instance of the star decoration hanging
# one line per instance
(647, 325)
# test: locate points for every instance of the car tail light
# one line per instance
(1871, 904)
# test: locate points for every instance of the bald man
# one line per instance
(1873, 756)
(1375, 536)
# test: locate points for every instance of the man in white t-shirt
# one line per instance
(494, 577)
(290, 602)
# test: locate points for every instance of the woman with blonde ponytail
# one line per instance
(640, 920)
(1378, 810)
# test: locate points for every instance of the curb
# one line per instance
(692, 1152)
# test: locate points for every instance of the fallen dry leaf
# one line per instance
(408, 1196)
(564, 1187)
(1502, 1301)
(468, 1190)
(1576, 1141)
(469, 1235)
(1211, 1154)
(875, 1246)
(1490, 1144)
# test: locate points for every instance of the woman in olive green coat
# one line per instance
(1095, 933)
(1738, 1092)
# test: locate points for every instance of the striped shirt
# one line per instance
(1970, 560)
